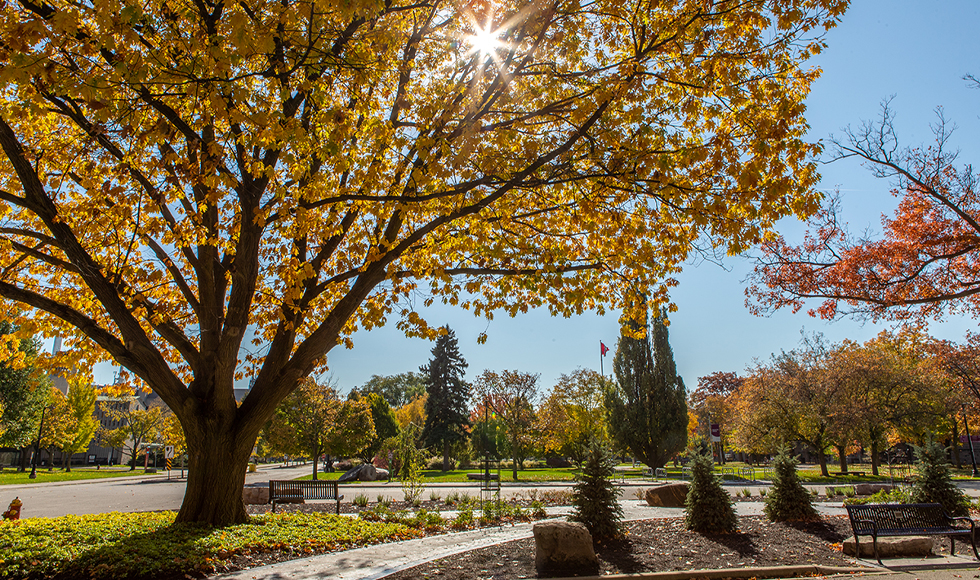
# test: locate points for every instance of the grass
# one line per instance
(12, 477)
(150, 545)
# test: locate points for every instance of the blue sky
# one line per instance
(917, 51)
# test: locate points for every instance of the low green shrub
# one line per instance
(360, 500)
(434, 496)
(537, 509)
(897, 495)
(463, 519)
(384, 500)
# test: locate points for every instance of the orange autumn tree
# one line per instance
(179, 178)
(925, 263)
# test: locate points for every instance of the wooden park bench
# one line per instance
(854, 473)
(298, 491)
(912, 519)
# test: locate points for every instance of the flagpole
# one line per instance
(602, 371)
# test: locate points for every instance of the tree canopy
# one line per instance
(180, 178)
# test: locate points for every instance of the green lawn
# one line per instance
(11, 477)
(149, 545)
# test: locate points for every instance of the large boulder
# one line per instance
(363, 472)
(670, 495)
(256, 495)
(872, 488)
(561, 546)
(910, 547)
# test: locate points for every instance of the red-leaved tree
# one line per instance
(926, 262)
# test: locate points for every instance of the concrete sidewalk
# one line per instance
(374, 562)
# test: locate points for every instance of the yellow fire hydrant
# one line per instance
(13, 512)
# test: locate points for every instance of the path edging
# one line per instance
(759, 572)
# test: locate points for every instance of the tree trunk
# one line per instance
(445, 454)
(66, 462)
(822, 459)
(956, 445)
(216, 476)
(23, 459)
(875, 457)
(842, 455)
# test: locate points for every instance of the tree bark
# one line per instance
(445, 454)
(842, 456)
(875, 457)
(216, 477)
(957, 460)
(822, 459)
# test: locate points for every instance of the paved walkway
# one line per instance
(377, 561)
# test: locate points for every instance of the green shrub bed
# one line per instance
(150, 545)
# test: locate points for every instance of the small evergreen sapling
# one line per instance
(788, 500)
(934, 483)
(595, 500)
(708, 509)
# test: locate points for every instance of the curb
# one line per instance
(761, 572)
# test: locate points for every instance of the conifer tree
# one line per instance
(648, 408)
(788, 500)
(934, 483)
(709, 508)
(595, 500)
(446, 410)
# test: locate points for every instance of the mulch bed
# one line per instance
(663, 544)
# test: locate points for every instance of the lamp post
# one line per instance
(37, 446)
(973, 457)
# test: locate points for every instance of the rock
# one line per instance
(256, 495)
(670, 495)
(363, 472)
(382, 474)
(872, 488)
(911, 546)
(555, 461)
(563, 546)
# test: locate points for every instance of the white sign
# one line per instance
(168, 452)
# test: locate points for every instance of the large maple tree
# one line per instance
(924, 264)
(178, 175)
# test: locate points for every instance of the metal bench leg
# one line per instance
(973, 543)
(952, 545)
(874, 540)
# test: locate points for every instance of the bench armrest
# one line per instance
(874, 526)
(964, 519)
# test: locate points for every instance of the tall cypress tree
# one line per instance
(446, 409)
(648, 408)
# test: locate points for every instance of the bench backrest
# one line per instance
(914, 516)
(308, 489)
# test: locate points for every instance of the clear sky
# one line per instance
(917, 51)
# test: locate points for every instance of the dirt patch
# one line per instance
(660, 545)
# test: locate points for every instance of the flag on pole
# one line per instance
(603, 349)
